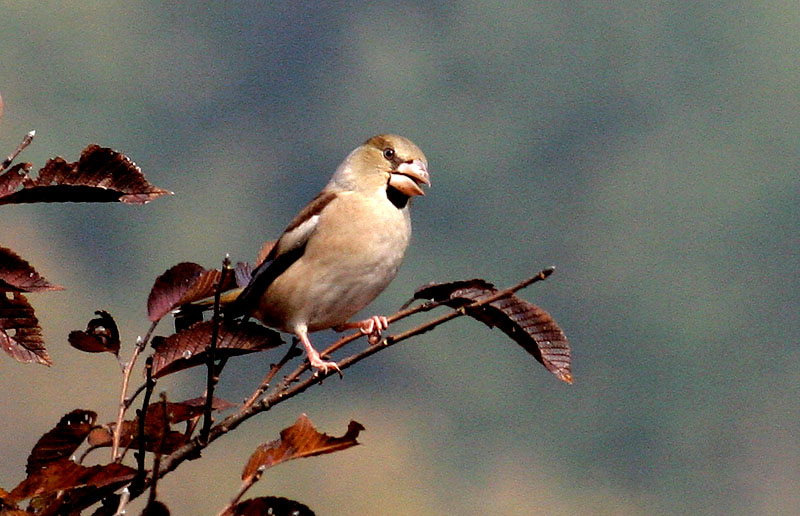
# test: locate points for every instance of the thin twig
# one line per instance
(21, 147)
(157, 459)
(213, 375)
(246, 484)
(273, 370)
(141, 343)
(148, 392)
(402, 314)
(191, 448)
(129, 401)
(124, 497)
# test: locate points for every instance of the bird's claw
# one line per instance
(323, 365)
(373, 328)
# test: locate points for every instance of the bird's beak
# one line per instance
(409, 176)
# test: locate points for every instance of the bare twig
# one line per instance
(289, 389)
(148, 392)
(402, 314)
(246, 484)
(21, 147)
(157, 459)
(213, 374)
(141, 343)
(123, 502)
(273, 370)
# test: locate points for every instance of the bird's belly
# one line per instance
(325, 288)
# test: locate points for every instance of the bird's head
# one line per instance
(385, 161)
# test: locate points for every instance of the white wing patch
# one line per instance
(298, 236)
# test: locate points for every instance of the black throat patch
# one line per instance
(396, 197)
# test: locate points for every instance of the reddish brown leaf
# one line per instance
(190, 409)
(155, 425)
(272, 505)
(187, 348)
(244, 271)
(183, 284)
(158, 435)
(101, 335)
(154, 508)
(157, 438)
(100, 175)
(65, 474)
(13, 178)
(529, 326)
(20, 334)
(99, 437)
(17, 275)
(298, 441)
(62, 441)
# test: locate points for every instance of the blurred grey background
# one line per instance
(649, 151)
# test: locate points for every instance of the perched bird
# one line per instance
(342, 249)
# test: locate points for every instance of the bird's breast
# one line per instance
(356, 251)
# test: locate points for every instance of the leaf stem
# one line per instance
(141, 343)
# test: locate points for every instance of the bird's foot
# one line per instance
(322, 365)
(373, 327)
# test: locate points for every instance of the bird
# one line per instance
(342, 249)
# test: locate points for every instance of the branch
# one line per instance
(21, 147)
(213, 374)
(287, 390)
(140, 455)
(141, 343)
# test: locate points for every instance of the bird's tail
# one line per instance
(193, 312)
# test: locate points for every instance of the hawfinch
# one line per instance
(343, 248)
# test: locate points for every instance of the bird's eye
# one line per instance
(388, 153)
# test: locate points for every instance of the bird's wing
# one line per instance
(289, 247)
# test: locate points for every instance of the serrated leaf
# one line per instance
(187, 348)
(65, 474)
(527, 324)
(156, 430)
(158, 434)
(100, 175)
(61, 441)
(18, 275)
(298, 441)
(20, 334)
(182, 284)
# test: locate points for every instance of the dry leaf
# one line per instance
(187, 348)
(17, 275)
(62, 441)
(65, 474)
(182, 284)
(155, 427)
(269, 505)
(100, 175)
(190, 409)
(101, 335)
(529, 326)
(20, 334)
(298, 441)
(154, 508)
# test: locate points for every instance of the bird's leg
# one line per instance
(313, 356)
(371, 327)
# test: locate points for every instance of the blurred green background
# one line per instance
(650, 151)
